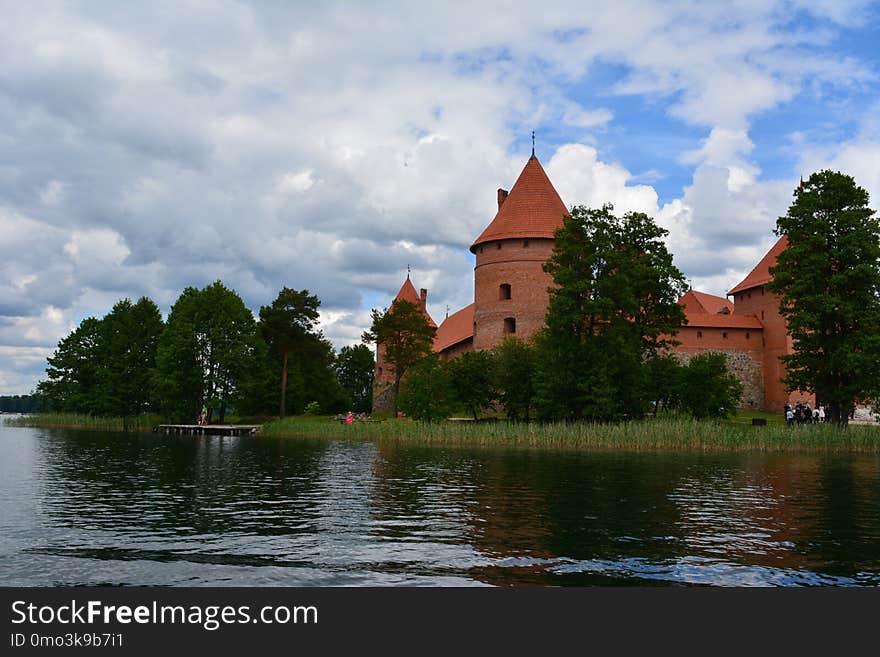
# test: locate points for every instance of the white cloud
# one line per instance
(285, 144)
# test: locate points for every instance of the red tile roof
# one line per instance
(455, 328)
(408, 293)
(532, 209)
(703, 310)
(760, 275)
(700, 302)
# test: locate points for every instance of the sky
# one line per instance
(146, 147)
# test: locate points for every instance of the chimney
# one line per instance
(423, 297)
(502, 196)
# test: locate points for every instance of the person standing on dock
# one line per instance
(349, 419)
(203, 416)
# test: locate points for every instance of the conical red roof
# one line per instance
(532, 209)
(760, 275)
(408, 293)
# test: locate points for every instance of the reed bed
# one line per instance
(79, 421)
(674, 433)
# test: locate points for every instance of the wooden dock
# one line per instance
(209, 429)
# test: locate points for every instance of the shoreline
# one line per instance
(649, 434)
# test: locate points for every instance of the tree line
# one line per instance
(18, 403)
(211, 351)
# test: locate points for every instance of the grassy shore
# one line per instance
(77, 421)
(666, 433)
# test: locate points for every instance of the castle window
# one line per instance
(724, 334)
(499, 245)
(525, 244)
(762, 314)
(750, 295)
(380, 371)
(481, 249)
(509, 325)
(504, 291)
(747, 335)
(699, 334)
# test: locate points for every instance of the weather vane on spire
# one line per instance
(533, 143)
(407, 272)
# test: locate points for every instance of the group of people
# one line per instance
(802, 413)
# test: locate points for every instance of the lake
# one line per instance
(96, 508)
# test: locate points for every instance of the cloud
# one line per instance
(326, 147)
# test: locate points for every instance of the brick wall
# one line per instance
(520, 267)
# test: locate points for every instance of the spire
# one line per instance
(532, 209)
(407, 272)
(533, 143)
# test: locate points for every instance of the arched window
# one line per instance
(699, 334)
(509, 325)
(504, 291)
(724, 334)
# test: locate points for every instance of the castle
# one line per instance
(511, 298)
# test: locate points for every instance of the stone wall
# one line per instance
(748, 368)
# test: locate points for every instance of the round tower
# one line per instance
(510, 285)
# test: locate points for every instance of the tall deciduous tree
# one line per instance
(204, 350)
(828, 279)
(354, 370)
(130, 335)
(73, 371)
(404, 334)
(614, 305)
(288, 327)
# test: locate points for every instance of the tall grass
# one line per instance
(673, 433)
(79, 421)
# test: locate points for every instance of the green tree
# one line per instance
(73, 371)
(514, 377)
(665, 374)
(707, 388)
(204, 351)
(130, 335)
(613, 307)
(828, 279)
(473, 378)
(355, 367)
(288, 327)
(427, 393)
(403, 334)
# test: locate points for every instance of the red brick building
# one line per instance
(511, 298)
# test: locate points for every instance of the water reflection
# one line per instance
(93, 508)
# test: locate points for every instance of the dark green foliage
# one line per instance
(73, 370)
(105, 366)
(355, 367)
(614, 307)
(130, 336)
(405, 336)
(665, 374)
(204, 352)
(473, 378)
(19, 403)
(514, 377)
(829, 282)
(288, 328)
(427, 393)
(707, 388)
